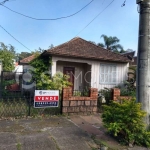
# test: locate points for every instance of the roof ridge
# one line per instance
(93, 51)
(104, 49)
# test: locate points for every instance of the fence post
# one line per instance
(29, 112)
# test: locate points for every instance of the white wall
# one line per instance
(122, 69)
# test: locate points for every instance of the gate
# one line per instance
(18, 101)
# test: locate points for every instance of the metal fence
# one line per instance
(15, 101)
(83, 91)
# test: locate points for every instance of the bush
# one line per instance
(129, 88)
(125, 122)
(107, 93)
(57, 82)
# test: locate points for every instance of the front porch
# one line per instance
(79, 73)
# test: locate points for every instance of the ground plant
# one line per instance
(128, 89)
(106, 93)
(125, 122)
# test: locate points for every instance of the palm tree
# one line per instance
(111, 43)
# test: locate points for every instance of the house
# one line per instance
(87, 64)
(131, 56)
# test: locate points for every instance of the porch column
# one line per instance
(94, 75)
(53, 67)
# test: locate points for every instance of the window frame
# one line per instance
(109, 82)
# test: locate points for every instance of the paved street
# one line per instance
(56, 133)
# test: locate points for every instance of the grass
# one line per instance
(18, 146)
(57, 147)
(20, 108)
(100, 142)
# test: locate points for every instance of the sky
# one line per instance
(122, 22)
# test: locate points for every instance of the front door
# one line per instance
(70, 72)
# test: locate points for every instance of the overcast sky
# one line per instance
(117, 21)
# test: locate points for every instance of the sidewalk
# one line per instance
(56, 133)
(94, 127)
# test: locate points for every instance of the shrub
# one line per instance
(43, 77)
(107, 93)
(128, 89)
(125, 121)
(57, 82)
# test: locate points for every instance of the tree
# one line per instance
(23, 55)
(111, 43)
(7, 56)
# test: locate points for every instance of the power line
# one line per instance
(15, 38)
(124, 3)
(96, 17)
(51, 18)
(3, 2)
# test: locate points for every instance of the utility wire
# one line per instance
(15, 38)
(124, 3)
(3, 2)
(96, 17)
(50, 18)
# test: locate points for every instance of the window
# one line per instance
(108, 74)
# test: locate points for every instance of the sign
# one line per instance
(46, 98)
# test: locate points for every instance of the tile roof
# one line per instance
(27, 59)
(130, 55)
(80, 48)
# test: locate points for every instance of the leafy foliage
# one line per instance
(129, 85)
(111, 43)
(107, 93)
(57, 82)
(125, 121)
(23, 55)
(128, 90)
(43, 77)
(7, 54)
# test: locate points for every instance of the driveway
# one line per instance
(53, 133)
(57, 133)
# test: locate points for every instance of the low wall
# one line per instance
(79, 105)
(116, 95)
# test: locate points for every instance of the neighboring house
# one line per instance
(131, 56)
(134, 62)
(132, 66)
(24, 67)
(87, 64)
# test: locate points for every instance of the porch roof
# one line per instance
(80, 48)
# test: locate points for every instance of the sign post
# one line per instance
(46, 98)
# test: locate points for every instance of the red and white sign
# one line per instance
(46, 98)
